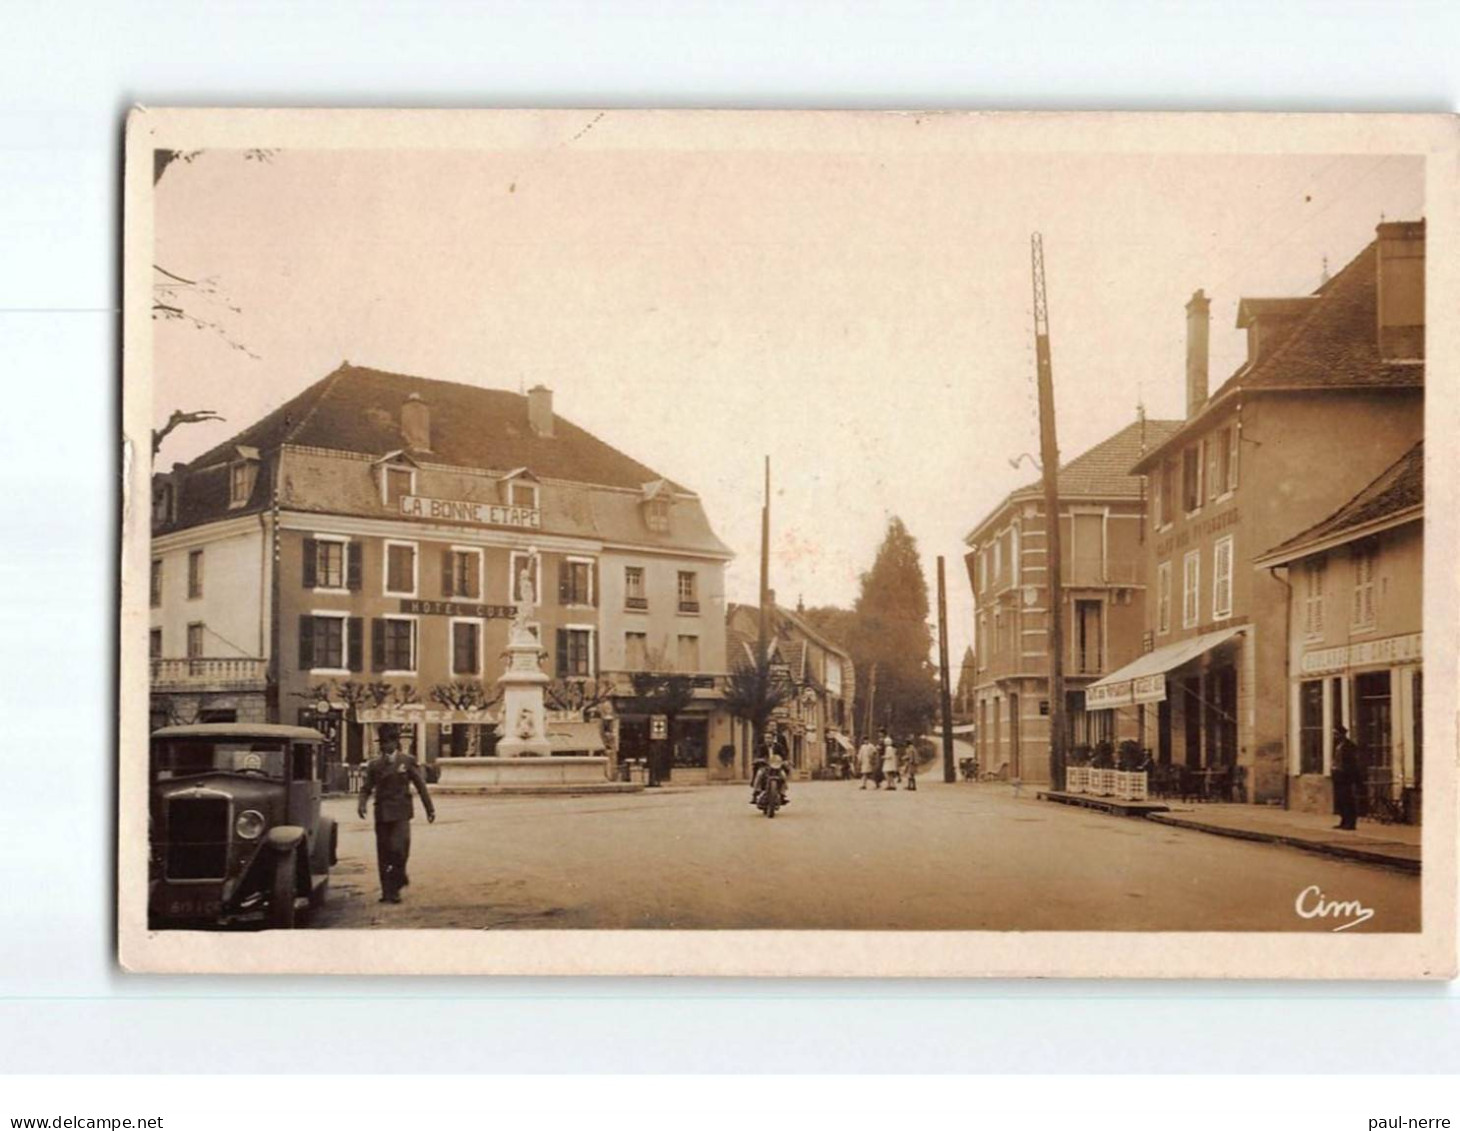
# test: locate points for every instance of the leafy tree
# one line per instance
(967, 677)
(891, 630)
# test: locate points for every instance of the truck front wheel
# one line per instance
(281, 893)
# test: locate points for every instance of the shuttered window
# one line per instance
(466, 648)
(1191, 590)
(1222, 579)
(195, 574)
(575, 653)
(1314, 572)
(330, 643)
(575, 582)
(393, 643)
(400, 569)
(1163, 597)
(461, 574)
(1364, 559)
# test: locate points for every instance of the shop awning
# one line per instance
(841, 740)
(1143, 680)
(575, 738)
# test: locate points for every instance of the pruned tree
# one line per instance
(579, 694)
(464, 695)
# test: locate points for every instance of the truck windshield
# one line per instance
(180, 757)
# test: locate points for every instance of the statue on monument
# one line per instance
(526, 594)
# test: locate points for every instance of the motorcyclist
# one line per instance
(770, 755)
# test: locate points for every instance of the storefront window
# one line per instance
(690, 746)
(1374, 716)
(1310, 727)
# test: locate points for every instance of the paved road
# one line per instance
(968, 857)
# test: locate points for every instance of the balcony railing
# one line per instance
(636, 603)
(231, 673)
(688, 606)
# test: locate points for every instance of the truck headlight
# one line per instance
(250, 824)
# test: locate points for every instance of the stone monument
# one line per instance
(524, 761)
(523, 731)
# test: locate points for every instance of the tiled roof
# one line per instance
(595, 490)
(1400, 487)
(1336, 345)
(1104, 471)
(789, 634)
(357, 409)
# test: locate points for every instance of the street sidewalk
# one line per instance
(1393, 846)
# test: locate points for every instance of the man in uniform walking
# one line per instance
(390, 777)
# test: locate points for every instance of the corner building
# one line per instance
(359, 550)
(1330, 396)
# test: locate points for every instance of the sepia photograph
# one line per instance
(788, 543)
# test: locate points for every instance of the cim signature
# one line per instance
(1313, 904)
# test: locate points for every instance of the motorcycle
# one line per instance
(772, 793)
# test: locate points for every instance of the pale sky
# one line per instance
(864, 319)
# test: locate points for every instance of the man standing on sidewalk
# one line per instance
(390, 777)
(1348, 777)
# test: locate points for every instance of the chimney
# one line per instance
(415, 423)
(540, 410)
(1198, 330)
(1401, 269)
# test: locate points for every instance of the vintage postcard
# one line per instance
(856, 544)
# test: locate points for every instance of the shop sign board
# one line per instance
(1404, 649)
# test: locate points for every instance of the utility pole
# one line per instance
(1049, 455)
(871, 702)
(762, 640)
(948, 775)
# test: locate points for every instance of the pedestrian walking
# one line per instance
(867, 763)
(889, 762)
(910, 761)
(390, 777)
(1348, 777)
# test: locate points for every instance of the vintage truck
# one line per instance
(235, 825)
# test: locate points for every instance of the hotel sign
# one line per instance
(417, 607)
(1391, 650)
(477, 514)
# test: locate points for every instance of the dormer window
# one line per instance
(396, 474)
(399, 482)
(243, 472)
(520, 488)
(657, 500)
(163, 496)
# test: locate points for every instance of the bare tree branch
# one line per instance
(179, 417)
